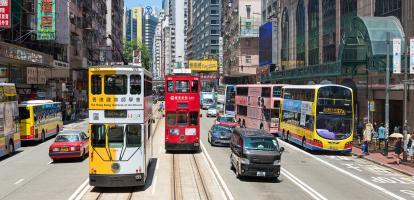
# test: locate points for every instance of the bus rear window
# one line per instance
(96, 82)
(116, 84)
(133, 136)
(98, 136)
(24, 113)
(116, 136)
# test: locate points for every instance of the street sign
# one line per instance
(46, 19)
(411, 56)
(371, 106)
(396, 61)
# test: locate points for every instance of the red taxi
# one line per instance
(69, 144)
(227, 120)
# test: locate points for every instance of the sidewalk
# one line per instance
(387, 161)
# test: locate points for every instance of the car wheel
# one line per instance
(10, 148)
(84, 155)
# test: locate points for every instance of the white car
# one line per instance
(212, 111)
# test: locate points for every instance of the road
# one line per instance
(314, 176)
(30, 174)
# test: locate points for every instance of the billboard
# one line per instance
(46, 20)
(265, 44)
(5, 18)
(203, 65)
(396, 56)
(411, 56)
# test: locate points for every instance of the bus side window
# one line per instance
(170, 86)
(96, 84)
(194, 86)
(193, 118)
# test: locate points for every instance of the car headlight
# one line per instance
(72, 148)
(276, 162)
(55, 149)
(174, 131)
(245, 161)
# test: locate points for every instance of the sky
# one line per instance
(144, 3)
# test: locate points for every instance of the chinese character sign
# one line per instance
(396, 65)
(5, 17)
(46, 20)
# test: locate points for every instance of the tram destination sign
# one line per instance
(116, 113)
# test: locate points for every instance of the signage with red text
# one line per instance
(46, 20)
(5, 17)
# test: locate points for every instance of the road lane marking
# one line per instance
(158, 164)
(216, 172)
(154, 185)
(79, 189)
(344, 171)
(303, 186)
(19, 181)
(50, 162)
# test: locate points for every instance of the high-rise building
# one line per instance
(114, 19)
(150, 25)
(138, 15)
(131, 26)
(158, 68)
(178, 16)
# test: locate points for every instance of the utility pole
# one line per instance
(405, 98)
(387, 95)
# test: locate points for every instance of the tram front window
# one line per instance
(116, 84)
(133, 136)
(116, 136)
(98, 135)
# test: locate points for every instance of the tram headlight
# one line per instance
(174, 131)
(115, 167)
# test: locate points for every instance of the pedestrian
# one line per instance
(381, 135)
(410, 147)
(398, 150)
(367, 137)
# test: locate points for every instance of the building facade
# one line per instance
(157, 52)
(241, 21)
(150, 25)
(131, 26)
(342, 42)
(114, 19)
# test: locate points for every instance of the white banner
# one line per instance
(396, 61)
(411, 56)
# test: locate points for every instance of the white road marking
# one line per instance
(218, 176)
(79, 190)
(50, 162)
(154, 185)
(345, 172)
(315, 195)
(19, 181)
(158, 164)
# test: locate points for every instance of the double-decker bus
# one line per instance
(318, 117)
(9, 120)
(182, 111)
(229, 100)
(39, 119)
(120, 116)
(257, 106)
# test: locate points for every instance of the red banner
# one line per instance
(5, 18)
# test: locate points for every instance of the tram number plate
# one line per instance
(261, 173)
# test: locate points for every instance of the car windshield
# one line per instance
(262, 144)
(208, 101)
(214, 106)
(333, 128)
(67, 138)
(222, 129)
(227, 119)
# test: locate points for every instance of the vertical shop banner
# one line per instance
(396, 61)
(411, 56)
(46, 20)
(5, 17)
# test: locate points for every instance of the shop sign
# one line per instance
(5, 18)
(46, 20)
(21, 54)
(411, 56)
(31, 75)
(208, 76)
(396, 63)
(203, 65)
(60, 64)
(41, 76)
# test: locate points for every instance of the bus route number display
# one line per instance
(334, 111)
(116, 113)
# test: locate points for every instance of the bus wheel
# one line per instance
(10, 148)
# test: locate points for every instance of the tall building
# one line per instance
(150, 25)
(342, 42)
(178, 16)
(241, 21)
(114, 19)
(131, 26)
(158, 54)
(204, 31)
(138, 15)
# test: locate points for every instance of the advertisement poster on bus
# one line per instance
(204, 65)
(292, 105)
(5, 18)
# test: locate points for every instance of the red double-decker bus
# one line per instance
(182, 112)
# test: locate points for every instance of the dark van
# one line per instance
(255, 153)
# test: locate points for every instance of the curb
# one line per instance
(383, 164)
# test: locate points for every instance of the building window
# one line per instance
(248, 59)
(300, 34)
(214, 1)
(248, 43)
(214, 22)
(385, 8)
(214, 32)
(248, 10)
(285, 39)
(348, 10)
(214, 12)
(313, 29)
(329, 30)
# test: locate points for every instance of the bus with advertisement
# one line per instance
(318, 117)
(120, 119)
(39, 119)
(9, 120)
(257, 106)
(182, 111)
(230, 100)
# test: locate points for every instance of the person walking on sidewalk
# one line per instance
(398, 150)
(367, 137)
(381, 135)
(410, 147)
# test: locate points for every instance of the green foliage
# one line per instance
(130, 46)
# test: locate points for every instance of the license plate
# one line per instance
(261, 173)
(225, 141)
(64, 149)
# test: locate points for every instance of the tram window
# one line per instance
(24, 113)
(193, 118)
(194, 86)
(182, 86)
(115, 136)
(170, 86)
(266, 92)
(133, 136)
(98, 136)
(171, 118)
(135, 84)
(116, 84)
(96, 84)
(182, 119)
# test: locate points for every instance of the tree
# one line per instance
(128, 49)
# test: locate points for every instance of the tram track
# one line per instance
(107, 194)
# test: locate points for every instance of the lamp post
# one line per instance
(387, 94)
